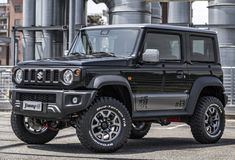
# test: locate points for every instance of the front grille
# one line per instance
(45, 98)
(41, 76)
(56, 75)
(48, 75)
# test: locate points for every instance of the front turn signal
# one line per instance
(77, 72)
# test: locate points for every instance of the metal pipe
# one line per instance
(156, 16)
(221, 17)
(80, 13)
(39, 12)
(47, 20)
(58, 12)
(58, 20)
(71, 21)
(50, 13)
(29, 36)
(180, 13)
(128, 11)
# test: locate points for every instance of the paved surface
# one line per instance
(162, 143)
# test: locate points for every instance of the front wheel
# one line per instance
(31, 130)
(140, 129)
(208, 121)
(105, 126)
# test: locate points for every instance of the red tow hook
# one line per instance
(50, 128)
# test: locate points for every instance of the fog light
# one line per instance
(75, 100)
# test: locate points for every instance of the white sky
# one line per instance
(200, 11)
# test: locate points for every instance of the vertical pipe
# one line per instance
(38, 35)
(128, 11)
(66, 22)
(58, 20)
(80, 13)
(179, 13)
(65, 35)
(156, 16)
(29, 36)
(221, 19)
(47, 20)
(71, 21)
(66, 13)
(38, 18)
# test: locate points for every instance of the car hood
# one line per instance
(76, 61)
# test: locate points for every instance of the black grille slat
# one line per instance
(45, 98)
(48, 75)
(44, 76)
(26, 75)
(56, 76)
(33, 76)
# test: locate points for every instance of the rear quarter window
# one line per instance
(202, 49)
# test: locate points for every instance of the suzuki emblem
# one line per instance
(40, 75)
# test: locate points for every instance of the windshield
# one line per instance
(105, 42)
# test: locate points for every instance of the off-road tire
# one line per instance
(197, 122)
(138, 133)
(18, 127)
(84, 127)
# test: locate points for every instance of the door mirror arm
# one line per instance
(188, 62)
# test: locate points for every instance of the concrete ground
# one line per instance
(171, 142)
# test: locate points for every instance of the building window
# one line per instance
(18, 8)
(18, 22)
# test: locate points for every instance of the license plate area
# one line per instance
(32, 106)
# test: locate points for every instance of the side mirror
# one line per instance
(151, 55)
(66, 52)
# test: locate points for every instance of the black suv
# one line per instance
(116, 80)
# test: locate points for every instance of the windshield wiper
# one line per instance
(109, 54)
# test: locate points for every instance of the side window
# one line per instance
(202, 49)
(168, 45)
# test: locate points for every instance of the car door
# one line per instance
(162, 85)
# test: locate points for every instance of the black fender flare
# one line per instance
(197, 88)
(105, 80)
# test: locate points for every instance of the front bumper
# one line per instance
(56, 104)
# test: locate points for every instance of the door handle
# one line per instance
(180, 75)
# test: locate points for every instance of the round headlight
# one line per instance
(68, 77)
(18, 76)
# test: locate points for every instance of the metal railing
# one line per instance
(5, 83)
(229, 85)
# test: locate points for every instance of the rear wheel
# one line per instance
(105, 126)
(208, 121)
(140, 129)
(31, 130)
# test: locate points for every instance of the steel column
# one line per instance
(180, 13)
(47, 20)
(28, 36)
(221, 20)
(71, 21)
